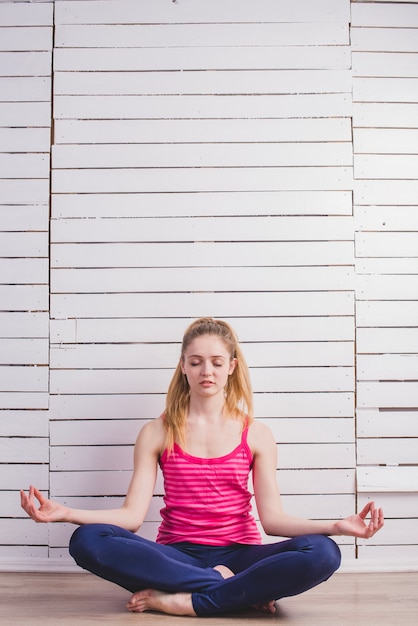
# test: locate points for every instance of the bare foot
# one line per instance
(224, 571)
(154, 600)
(268, 607)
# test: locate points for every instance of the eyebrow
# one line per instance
(199, 356)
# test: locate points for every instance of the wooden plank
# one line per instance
(308, 430)
(189, 179)
(395, 554)
(387, 244)
(34, 38)
(390, 15)
(204, 229)
(18, 378)
(385, 115)
(316, 456)
(395, 505)
(25, 63)
(26, 89)
(110, 381)
(20, 400)
(24, 325)
(20, 218)
(385, 89)
(23, 531)
(25, 114)
(380, 140)
(387, 479)
(385, 64)
(386, 218)
(24, 351)
(383, 39)
(387, 367)
(24, 165)
(387, 394)
(24, 139)
(156, 330)
(166, 131)
(386, 287)
(126, 280)
(388, 340)
(197, 304)
(182, 107)
(23, 475)
(20, 15)
(288, 254)
(382, 166)
(200, 34)
(24, 424)
(319, 203)
(374, 423)
(24, 271)
(203, 57)
(99, 433)
(24, 191)
(387, 451)
(200, 155)
(24, 298)
(24, 244)
(126, 11)
(24, 450)
(387, 266)
(395, 532)
(388, 192)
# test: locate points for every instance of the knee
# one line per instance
(83, 542)
(327, 553)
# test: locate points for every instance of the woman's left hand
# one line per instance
(356, 525)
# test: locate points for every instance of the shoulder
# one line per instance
(152, 436)
(260, 437)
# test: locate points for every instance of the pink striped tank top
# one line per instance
(207, 501)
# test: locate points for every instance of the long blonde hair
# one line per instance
(238, 392)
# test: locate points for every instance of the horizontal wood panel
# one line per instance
(272, 203)
(24, 244)
(24, 165)
(385, 89)
(25, 63)
(19, 115)
(395, 505)
(24, 424)
(374, 423)
(387, 479)
(384, 64)
(387, 192)
(388, 394)
(21, 218)
(387, 244)
(387, 367)
(383, 39)
(388, 340)
(308, 430)
(17, 378)
(386, 218)
(204, 57)
(387, 451)
(24, 325)
(114, 255)
(385, 115)
(126, 11)
(204, 229)
(99, 433)
(392, 15)
(387, 266)
(24, 450)
(23, 531)
(382, 166)
(167, 131)
(24, 271)
(24, 191)
(23, 475)
(199, 34)
(32, 15)
(24, 139)
(24, 351)
(161, 330)
(385, 141)
(394, 532)
(387, 287)
(200, 155)
(26, 39)
(196, 304)
(126, 280)
(193, 179)
(407, 554)
(24, 297)
(24, 400)
(26, 89)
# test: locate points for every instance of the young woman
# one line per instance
(208, 557)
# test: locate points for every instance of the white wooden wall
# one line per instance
(202, 164)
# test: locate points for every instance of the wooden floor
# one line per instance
(81, 600)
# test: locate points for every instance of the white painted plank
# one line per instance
(25, 114)
(385, 89)
(383, 140)
(384, 39)
(20, 218)
(217, 82)
(26, 89)
(22, 476)
(22, 553)
(199, 107)
(397, 505)
(385, 64)
(386, 218)
(387, 479)
(316, 456)
(385, 115)
(14, 14)
(390, 15)
(196, 304)
(395, 532)
(387, 451)
(288, 254)
(199, 34)
(190, 179)
(24, 325)
(374, 423)
(24, 165)
(24, 298)
(204, 229)
(24, 191)
(25, 63)
(166, 131)
(24, 424)
(387, 394)
(151, 355)
(387, 266)
(382, 166)
(17, 378)
(24, 351)
(24, 244)
(158, 12)
(200, 155)
(125, 280)
(387, 367)
(315, 329)
(386, 287)
(95, 432)
(20, 400)
(36, 38)
(129, 381)
(23, 531)
(388, 340)
(319, 203)
(308, 430)
(24, 139)
(390, 192)
(23, 271)
(203, 57)
(397, 554)
(24, 450)
(387, 244)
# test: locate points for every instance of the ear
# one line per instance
(183, 371)
(232, 366)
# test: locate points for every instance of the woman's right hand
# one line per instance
(48, 510)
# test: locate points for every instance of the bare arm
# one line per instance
(131, 514)
(275, 520)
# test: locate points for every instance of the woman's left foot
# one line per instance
(154, 600)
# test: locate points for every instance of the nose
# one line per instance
(207, 368)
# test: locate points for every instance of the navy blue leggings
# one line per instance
(262, 572)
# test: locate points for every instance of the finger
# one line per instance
(369, 507)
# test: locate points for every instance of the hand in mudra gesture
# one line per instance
(47, 511)
(357, 526)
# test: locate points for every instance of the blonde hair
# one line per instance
(238, 392)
